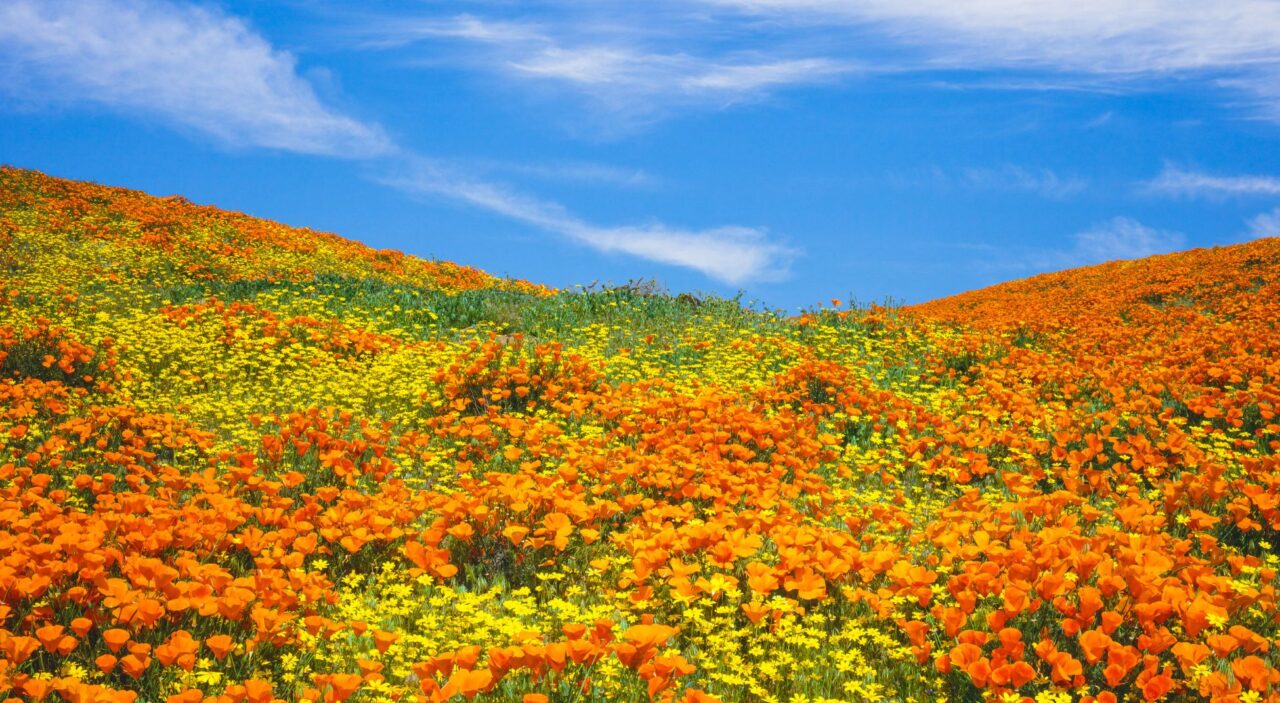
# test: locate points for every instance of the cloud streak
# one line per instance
(1041, 44)
(633, 73)
(676, 55)
(729, 254)
(1093, 36)
(1009, 178)
(1016, 178)
(192, 67)
(1120, 238)
(614, 68)
(1265, 224)
(578, 172)
(1179, 182)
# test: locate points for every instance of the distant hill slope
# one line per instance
(244, 463)
(194, 243)
(1219, 278)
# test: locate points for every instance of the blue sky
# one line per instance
(796, 150)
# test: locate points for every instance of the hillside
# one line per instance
(244, 462)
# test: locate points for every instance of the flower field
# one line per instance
(244, 463)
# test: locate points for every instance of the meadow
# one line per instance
(245, 462)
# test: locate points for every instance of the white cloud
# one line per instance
(619, 75)
(1101, 36)
(1265, 224)
(190, 66)
(667, 54)
(750, 77)
(579, 172)
(401, 31)
(730, 254)
(1176, 181)
(1120, 238)
(1005, 178)
(1100, 120)
(1232, 42)
(1016, 178)
(614, 68)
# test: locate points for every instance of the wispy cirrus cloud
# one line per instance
(1120, 238)
(633, 73)
(1264, 224)
(577, 172)
(670, 55)
(387, 33)
(1100, 120)
(1176, 181)
(622, 69)
(1009, 178)
(730, 254)
(192, 67)
(1094, 36)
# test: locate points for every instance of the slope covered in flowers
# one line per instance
(242, 462)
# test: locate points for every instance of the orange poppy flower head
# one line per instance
(220, 646)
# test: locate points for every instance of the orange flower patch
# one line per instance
(244, 463)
